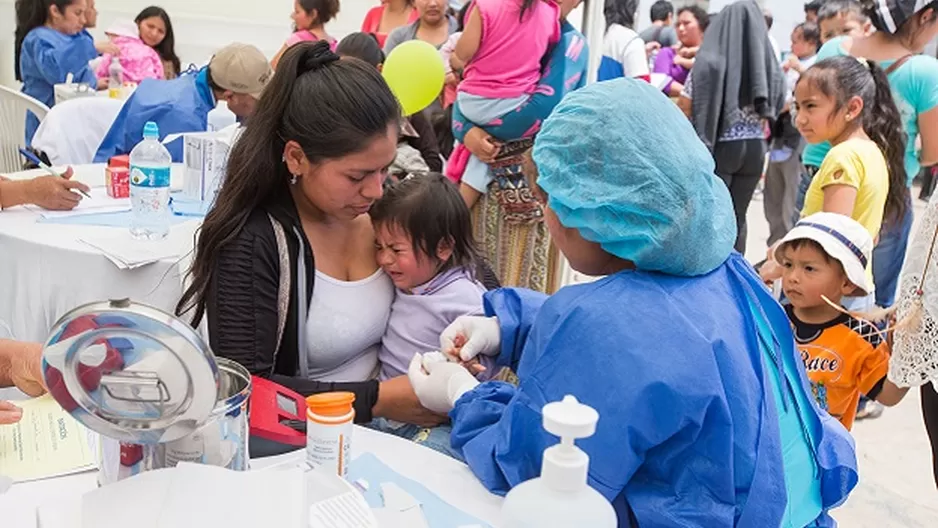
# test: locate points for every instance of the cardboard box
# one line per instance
(119, 161)
(117, 181)
(205, 159)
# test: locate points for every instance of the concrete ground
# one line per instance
(896, 486)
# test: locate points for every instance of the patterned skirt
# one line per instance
(515, 243)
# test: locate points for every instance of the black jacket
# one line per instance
(242, 305)
(735, 68)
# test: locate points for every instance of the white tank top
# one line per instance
(344, 327)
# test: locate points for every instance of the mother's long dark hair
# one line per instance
(331, 107)
(31, 14)
(167, 48)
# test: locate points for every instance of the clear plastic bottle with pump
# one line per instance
(220, 117)
(150, 165)
(561, 496)
(115, 82)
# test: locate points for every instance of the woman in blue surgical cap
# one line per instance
(704, 415)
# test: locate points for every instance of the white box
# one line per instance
(205, 158)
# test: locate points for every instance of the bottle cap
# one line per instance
(151, 130)
(570, 419)
(331, 403)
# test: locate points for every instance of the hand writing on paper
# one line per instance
(54, 193)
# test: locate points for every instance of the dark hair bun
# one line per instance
(315, 56)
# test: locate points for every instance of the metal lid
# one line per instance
(130, 372)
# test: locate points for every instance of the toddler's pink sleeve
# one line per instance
(103, 65)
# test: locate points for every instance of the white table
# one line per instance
(452, 481)
(45, 271)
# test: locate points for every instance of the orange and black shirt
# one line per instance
(844, 358)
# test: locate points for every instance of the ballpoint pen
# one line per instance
(35, 159)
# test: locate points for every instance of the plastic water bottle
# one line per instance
(561, 496)
(150, 164)
(220, 117)
(115, 83)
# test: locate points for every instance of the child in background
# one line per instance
(49, 45)
(138, 60)
(446, 51)
(423, 233)
(500, 54)
(784, 171)
(309, 21)
(826, 256)
(848, 102)
(838, 18)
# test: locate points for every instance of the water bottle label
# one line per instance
(149, 176)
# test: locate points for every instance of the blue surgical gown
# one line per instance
(688, 433)
(176, 106)
(46, 58)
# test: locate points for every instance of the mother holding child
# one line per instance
(288, 259)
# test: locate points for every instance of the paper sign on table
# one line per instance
(47, 442)
(99, 202)
(437, 512)
(126, 252)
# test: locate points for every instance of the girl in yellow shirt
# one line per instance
(848, 102)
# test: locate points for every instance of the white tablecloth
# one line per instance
(450, 480)
(45, 271)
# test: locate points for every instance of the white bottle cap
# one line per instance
(565, 466)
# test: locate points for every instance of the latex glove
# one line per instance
(440, 387)
(471, 335)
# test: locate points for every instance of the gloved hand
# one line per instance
(439, 385)
(469, 335)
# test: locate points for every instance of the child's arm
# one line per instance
(891, 394)
(469, 42)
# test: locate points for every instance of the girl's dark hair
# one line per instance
(331, 107)
(326, 10)
(429, 208)
(167, 48)
(362, 46)
(31, 14)
(461, 16)
(703, 18)
(620, 12)
(844, 77)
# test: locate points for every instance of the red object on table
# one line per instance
(273, 407)
(119, 161)
(131, 454)
(117, 181)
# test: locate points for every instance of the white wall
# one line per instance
(201, 26)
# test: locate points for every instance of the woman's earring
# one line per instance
(293, 179)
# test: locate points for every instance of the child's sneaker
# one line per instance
(869, 410)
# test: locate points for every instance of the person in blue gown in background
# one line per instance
(49, 45)
(705, 415)
(236, 74)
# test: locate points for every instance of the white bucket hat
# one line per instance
(843, 239)
(123, 28)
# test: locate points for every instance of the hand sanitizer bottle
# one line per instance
(561, 497)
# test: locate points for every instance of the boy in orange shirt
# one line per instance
(826, 255)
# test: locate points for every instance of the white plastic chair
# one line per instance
(13, 108)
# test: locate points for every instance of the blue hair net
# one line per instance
(623, 166)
